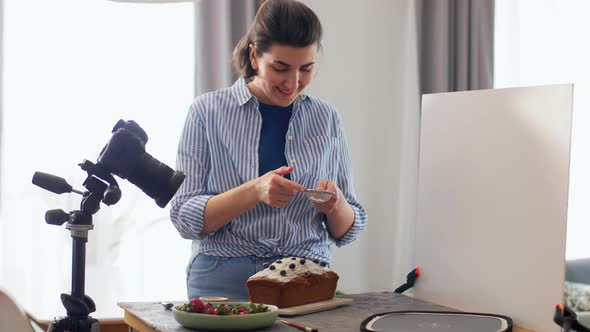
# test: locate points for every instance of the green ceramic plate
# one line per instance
(226, 323)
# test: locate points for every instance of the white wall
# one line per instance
(525, 43)
(367, 71)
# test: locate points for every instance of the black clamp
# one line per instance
(568, 320)
(410, 280)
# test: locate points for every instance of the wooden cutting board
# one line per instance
(314, 307)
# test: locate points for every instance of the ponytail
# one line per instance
(241, 58)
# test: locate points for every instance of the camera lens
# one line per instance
(157, 180)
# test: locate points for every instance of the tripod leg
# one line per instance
(88, 324)
(58, 324)
(73, 324)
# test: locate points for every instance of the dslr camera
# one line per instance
(124, 155)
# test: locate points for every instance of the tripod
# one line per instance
(79, 305)
(125, 156)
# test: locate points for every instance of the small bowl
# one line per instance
(319, 196)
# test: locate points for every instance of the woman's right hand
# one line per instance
(275, 190)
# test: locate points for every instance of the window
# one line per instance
(72, 69)
(541, 42)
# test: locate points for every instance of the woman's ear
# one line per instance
(252, 52)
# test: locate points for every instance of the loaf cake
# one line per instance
(292, 281)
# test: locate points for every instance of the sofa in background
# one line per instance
(577, 288)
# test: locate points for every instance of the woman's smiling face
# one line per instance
(283, 73)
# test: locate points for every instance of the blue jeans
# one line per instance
(223, 276)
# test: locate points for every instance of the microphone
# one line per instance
(53, 183)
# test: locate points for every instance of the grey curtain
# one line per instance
(455, 44)
(219, 26)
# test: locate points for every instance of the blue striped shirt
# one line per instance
(218, 151)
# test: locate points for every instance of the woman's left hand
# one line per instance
(339, 213)
(329, 206)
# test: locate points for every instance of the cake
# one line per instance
(292, 281)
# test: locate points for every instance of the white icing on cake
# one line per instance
(298, 269)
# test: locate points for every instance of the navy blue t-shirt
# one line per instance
(271, 148)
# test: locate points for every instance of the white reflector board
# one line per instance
(492, 201)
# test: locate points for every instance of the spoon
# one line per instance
(167, 305)
(319, 196)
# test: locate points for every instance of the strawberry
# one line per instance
(197, 305)
(210, 310)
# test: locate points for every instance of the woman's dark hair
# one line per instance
(284, 22)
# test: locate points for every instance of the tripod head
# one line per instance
(101, 187)
(125, 156)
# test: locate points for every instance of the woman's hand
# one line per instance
(339, 213)
(275, 190)
(329, 206)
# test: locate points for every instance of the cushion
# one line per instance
(577, 296)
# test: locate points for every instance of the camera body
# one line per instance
(125, 156)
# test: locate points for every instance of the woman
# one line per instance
(250, 151)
